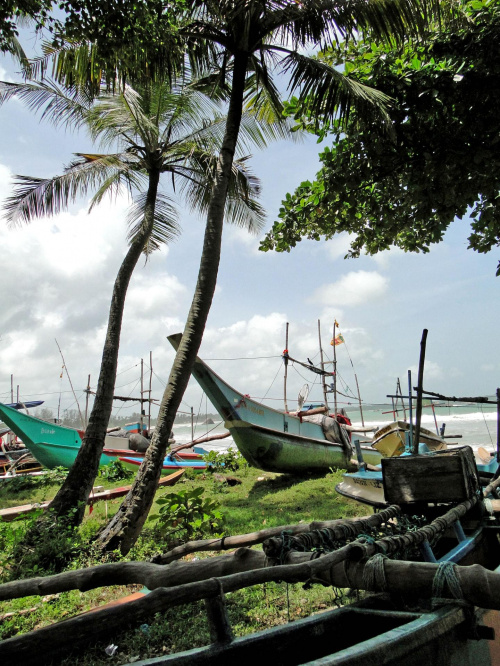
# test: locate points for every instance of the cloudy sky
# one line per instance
(57, 275)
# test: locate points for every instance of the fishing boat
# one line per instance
(273, 440)
(170, 463)
(54, 445)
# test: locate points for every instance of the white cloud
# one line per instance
(338, 246)
(354, 288)
(383, 259)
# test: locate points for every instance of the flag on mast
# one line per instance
(337, 340)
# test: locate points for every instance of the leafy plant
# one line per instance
(115, 471)
(229, 461)
(188, 515)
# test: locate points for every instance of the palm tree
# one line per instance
(244, 41)
(159, 130)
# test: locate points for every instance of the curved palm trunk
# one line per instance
(126, 525)
(76, 488)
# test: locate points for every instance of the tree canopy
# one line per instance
(440, 162)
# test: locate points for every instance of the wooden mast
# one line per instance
(334, 370)
(141, 420)
(285, 357)
(498, 424)
(418, 417)
(323, 380)
(150, 388)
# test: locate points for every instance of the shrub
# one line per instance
(187, 515)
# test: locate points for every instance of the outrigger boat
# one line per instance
(273, 440)
(54, 445)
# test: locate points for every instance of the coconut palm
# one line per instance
(159, 130)
(244, 42)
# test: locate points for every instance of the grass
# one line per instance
(262, 500)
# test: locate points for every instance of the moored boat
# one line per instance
(272, 440)
(170, 464)
(54, 445)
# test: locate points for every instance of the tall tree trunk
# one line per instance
(76, 488)
(126, 525)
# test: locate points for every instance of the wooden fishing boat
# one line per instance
(54, 445)
(390, 439)
(270, 439)
(169, 464)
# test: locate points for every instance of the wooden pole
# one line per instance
(334, 370)
(322, 362)
(418, 418)
(410, 406)
(142, 395)
(286, 368)
(498, 424)
(150, 388)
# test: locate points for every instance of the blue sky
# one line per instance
(57, 277)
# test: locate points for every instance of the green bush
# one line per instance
(227, 461)
(187, 515)
(115, 471)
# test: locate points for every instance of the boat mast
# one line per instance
(334, 370)
(323, 379)
(418, 418)
(150, 388)
(142, 394)
(285, 358)
(498, 424)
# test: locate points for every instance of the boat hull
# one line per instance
(363, 487)
(378, 635)
(284, 452)
(169, 464)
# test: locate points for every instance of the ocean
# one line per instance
(473, 425)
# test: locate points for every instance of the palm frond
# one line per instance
(328, 92)
(60, 107)
(328, 22)
(122, 117)
(165, 225)
(40, 197)
(112, 186)
(242, 207)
